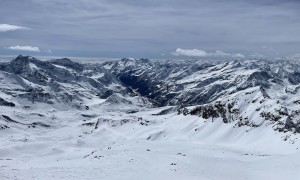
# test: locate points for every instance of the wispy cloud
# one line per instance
(8, 27)
(202, 53)
(24, 48)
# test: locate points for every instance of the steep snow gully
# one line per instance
(149, 119)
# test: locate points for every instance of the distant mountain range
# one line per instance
(245, 92)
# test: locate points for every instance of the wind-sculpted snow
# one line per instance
(149, 119)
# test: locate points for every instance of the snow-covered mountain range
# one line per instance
(246, 92)
(68, 114)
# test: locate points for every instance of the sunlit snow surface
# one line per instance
(115, 139)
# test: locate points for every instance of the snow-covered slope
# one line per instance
(254, 90)
(143, 119)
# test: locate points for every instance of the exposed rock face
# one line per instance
(6, 103)
(65, 62)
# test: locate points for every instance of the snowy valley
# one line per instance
(149, 119)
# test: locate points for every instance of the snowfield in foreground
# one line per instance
(66, 120)
(145, 146)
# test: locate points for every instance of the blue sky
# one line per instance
(156, 28)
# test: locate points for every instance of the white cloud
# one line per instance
(202, 53)
(24, 48)
(238, 55)
(8, 27)
(189, 52)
